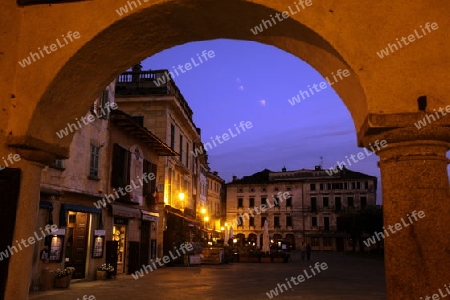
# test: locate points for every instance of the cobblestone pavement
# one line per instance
(347, 277)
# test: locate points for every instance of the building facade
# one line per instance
(215, 221)
(160, 107)
(102, 199)
(300, 206)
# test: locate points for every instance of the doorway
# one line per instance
(76, 247)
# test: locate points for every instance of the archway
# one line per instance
(380, 94)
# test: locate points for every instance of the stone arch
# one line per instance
(121, 44)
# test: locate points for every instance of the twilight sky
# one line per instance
(248, 81)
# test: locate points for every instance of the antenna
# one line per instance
(321, 162)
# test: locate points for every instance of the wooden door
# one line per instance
(133, 257)
(144, 252)
(76, 249)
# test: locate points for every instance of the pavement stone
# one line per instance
(347, 277)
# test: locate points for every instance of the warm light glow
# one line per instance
(206, 219)
(203, 210)
(181, 196)
(226, 224)
(234, 241)
(222, 228)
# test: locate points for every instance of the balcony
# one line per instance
(158, 82)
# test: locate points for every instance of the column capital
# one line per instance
(410, 138)
(403, 127)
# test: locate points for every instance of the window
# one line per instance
(58, 164)
(139, 120)
(187, 155)
(322, 186)
(251, 202)
(120, 176)
(276, 221)
(326, 223)
(263, 189)
(314, 221)
(350, 202)
(172, 136)
(240, 202)
(240, 221)
(288, 189)
(252, 189)
(327, 242)
(315, 242)
(275, 189)
(289, 201)
(93, 165)
(276, 201)
(337, 202)
(252, 221)
(100, 108)
(312, 186)
(313, 204)
(358, 185)
(240, 190)
(263, 220)
(149, 188)
(263, 200)
(363, 202)
(288, 221)
(181, 148)
(325, 202)
(366, 185)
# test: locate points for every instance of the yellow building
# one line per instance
(154, 101)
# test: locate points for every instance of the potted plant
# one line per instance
(105, 271)
(62, 277)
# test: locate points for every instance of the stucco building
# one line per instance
(161, 107)
(299, 206)
(102, 198)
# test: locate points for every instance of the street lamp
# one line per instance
(181, 196)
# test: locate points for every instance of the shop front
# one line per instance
(125, 236)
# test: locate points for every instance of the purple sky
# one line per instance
(248, 81)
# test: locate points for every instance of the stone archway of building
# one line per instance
(381, 94)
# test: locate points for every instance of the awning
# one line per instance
(149, 216)
(75, 207)
(125, 212)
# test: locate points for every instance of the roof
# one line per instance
(126, 123)
(266, 176)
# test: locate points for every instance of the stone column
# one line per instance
(415, 181)
(20, 265)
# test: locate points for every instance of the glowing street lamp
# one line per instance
(203, 210)
(181, 196)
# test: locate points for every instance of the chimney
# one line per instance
(234, 177)
(284, 169)
(215, 173)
